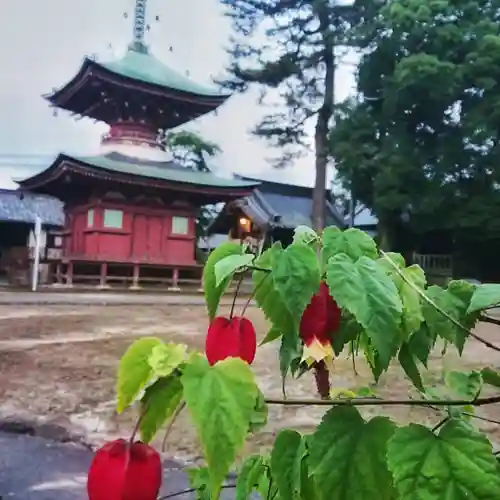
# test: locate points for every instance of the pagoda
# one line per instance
(130, 211)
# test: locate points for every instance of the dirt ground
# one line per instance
(58, 364)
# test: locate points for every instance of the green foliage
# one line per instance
(347, 456)
(267, 296)
(226, 267)
(390, 316)
(221, 400)
(213, 290)
(422, 131)
(455, 463)
(288, 453)
(296, 277)
(134, 371)
(159, 403)
(484, 297)
(359, 287)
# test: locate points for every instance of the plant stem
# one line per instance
(171, 423)
(437, 308)
(245, 307)
(192, 490)
(383, 402)
(240, 281)
(322, 376)
(440, 424)
(262, 269)
(489, 319)
(144, 408)
(479, 417)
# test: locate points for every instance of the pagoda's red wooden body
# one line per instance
(159, 236)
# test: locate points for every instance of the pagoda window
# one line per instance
(90, 218)
(180, 225)
(113, 219)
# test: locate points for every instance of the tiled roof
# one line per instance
(25, 207)
(166, 171)
(144, 67)
(283, 206)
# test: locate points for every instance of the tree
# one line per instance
(191, 150)
(288, 48)
(423, 131)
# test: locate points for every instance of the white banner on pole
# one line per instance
(36, 261)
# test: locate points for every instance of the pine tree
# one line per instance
(290, 49)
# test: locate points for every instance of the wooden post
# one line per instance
(135, 278)
(59, 275)
(104, 272)
(175, 281)
(200, 289)
(69, 274)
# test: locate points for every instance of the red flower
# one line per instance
(230, 338)
(122, 472)
(320, 320)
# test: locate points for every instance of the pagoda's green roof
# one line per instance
(143, 66)
(165, 171)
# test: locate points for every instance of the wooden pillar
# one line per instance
(200, 289)
(135, 277)
(69, 274)
(104, 274)
(175, 281)
(59, 274)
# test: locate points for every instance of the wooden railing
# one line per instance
(435, 265)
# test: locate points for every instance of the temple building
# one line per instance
(130, 212)
(271, 213)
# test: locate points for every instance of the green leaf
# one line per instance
(290, 353)
(437, 323)
(259, 415)
(221, 399)
(421, 343)
(347, 456)
(211, 290)
(465, 385)
(491, 377)
(226, 267)
(348, 331)
(296, 276)
(485, 296)
(457, 464)
(407, 279)
(165, 358)
(272, 335)
(250, 476)
(352, 242)
(199, 479)
(412, 305)
(305, 235)
(391, 259)
(160, 401)
(267, 296)
(407, 362)
(371, 296)
(134, 371)
(286, 463)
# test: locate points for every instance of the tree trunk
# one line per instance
(323, 121)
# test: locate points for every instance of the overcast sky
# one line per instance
(42, 45)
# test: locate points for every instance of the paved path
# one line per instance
(33, 468)
(104, 298)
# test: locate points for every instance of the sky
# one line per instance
(43, 43)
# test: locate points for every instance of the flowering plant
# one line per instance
(323, 295)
